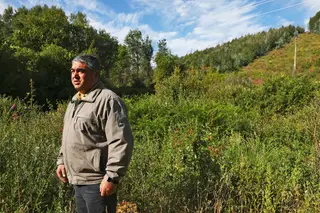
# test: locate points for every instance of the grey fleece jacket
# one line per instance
(97, 139)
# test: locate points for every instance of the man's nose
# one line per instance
(75, 75)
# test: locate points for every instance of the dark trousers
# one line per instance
(89, 200)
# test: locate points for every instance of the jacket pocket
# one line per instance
(87, 161)
(94, 160)
(83, 124)
(88, 128)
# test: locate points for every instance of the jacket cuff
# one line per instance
(60, 162)
(112, 175)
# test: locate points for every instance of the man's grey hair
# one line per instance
(90, 60)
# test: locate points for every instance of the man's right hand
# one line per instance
(61, 173)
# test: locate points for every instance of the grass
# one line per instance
(196, 155)
(281, 60)
(240, 142)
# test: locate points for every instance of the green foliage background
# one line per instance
(39, 43)
(215, 136)
(192, 154)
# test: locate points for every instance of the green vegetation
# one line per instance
(281, 61)
(314, 23)
(38, 44)
(250, 148)
(208, 140)
(237, 53)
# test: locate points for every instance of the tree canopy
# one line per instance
(38, 44)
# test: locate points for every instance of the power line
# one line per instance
(255, 4)
(283, 8)
(261, 2)
(265, 13)
(251, 5)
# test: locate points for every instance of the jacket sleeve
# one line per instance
(119, 138)
(60, 157)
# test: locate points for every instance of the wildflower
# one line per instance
(13, 107)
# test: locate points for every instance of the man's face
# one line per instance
(82, 78)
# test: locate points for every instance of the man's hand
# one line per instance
(61, 173)
(107, 188)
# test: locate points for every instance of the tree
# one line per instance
(80, 33)
(162, 47)
(85, 39)
(39, 26)
(140, 52)
(52, 79)
(38, 44)
(6, 23)
(314, 23)
(14, 76)
(120, 73)
(239, 52)
(106, 49)
(164, 60)
(146, 72)
(134, 44)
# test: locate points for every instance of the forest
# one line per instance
(226, 129)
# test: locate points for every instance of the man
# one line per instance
(97, 141)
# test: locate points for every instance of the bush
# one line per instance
(28, 151)
(252, 150)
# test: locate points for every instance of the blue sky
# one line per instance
(188, 25)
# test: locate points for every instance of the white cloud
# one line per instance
(212, 21)
(32, 3)
(202, 38)
(89, 5)
(121, 32)
(284, 22)
(155, 36)
(189, 25)
(313, 6)
(182, 46)
(73, 6)
(129, 18)
(3, 5)
(306, 24)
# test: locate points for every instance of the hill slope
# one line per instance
(281, 60)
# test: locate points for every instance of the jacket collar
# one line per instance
(91, 95)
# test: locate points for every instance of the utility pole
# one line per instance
(295, 53)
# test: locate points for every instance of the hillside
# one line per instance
(233, 55)
(270, 69)
(281, 60)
